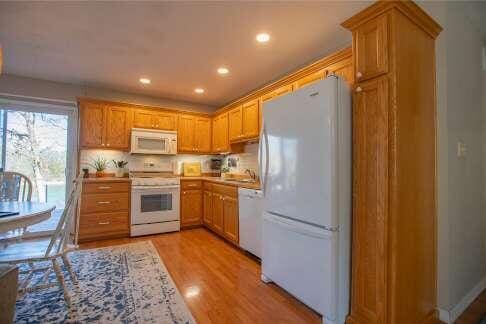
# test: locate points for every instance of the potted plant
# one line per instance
(120, 168)
(99, 164)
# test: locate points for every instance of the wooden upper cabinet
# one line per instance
(165, 121)
(220, 133)
(235, 124)
(118, 125)
(202, 135)
(92, 125)
(250, 119)
(309, 79)
(278, 92)
(185, 133)
(371, 44)
(145, 118)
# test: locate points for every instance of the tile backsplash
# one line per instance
(138, 162)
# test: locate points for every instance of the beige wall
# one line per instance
(13, 85)
(461, 211)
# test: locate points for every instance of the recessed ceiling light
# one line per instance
(262, 37)
(223, 70)
(199, 90)
(144, 80)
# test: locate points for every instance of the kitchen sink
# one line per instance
(240, 180)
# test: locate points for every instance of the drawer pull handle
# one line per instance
(103, 223)
(104, 202)
(192, 185)
(104, 187)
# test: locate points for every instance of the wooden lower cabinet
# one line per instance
(104, 210)
(219, 205)
(191, 208)
(230, 219)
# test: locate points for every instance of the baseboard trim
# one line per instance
(451, 316)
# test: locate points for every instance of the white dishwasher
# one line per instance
(250, 211)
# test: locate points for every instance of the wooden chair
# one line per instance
(15, 186)
(33, 252)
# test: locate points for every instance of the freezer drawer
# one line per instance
(303, 260)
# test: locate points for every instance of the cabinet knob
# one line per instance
(108, 144)
(102, 144)
(359, 74)
(358, 89)
(183, 192)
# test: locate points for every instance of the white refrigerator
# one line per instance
(305, 171)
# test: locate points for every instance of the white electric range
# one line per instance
(155, 203)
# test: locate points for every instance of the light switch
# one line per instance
(461, 149)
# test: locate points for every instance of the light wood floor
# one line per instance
(474, 312)
(220, 283)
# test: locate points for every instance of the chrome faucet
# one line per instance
(251, 173)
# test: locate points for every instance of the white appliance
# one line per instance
(152, 141)
(155, 204)
(250, 216)
(305, 163)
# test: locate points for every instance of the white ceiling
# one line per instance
(179, 45)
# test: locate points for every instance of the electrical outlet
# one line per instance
(461, 149)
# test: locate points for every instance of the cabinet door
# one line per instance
(220, 133)
(165, 121)
(235, 123)
(185, 134)
(118, 125)
(309, 79)
(250, 118)
(370, 200)
(92, 125)
(278, 92)
(208, 208)
(191, 207)
(230, 219)
(203, 135)
(217, 213)
(371, 55)
(143, 118)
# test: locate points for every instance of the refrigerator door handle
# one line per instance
(297, 227)
(263, 174)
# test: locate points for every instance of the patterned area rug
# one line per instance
(119, 284)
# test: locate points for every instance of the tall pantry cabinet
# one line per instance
(394, 165)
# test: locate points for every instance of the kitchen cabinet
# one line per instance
(118, 126)
(371, 41)
(104, 126)
(152, 119)
(218, 212)
(310, 79)
(244, 121)
(343, 69)
(230, 218)
(208, 208)
(220, 133)
(194, 134)
(235, 124)
(191, 203)
(278, 92)
(394, 170)
(104, 210)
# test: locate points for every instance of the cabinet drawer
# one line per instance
(191, 184)
(105, 187)
(230, 191)
(103, 225)
(96, 203)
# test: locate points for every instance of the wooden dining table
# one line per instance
(29, 213)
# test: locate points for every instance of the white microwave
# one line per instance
(151, 141)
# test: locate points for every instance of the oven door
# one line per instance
(154, 204)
